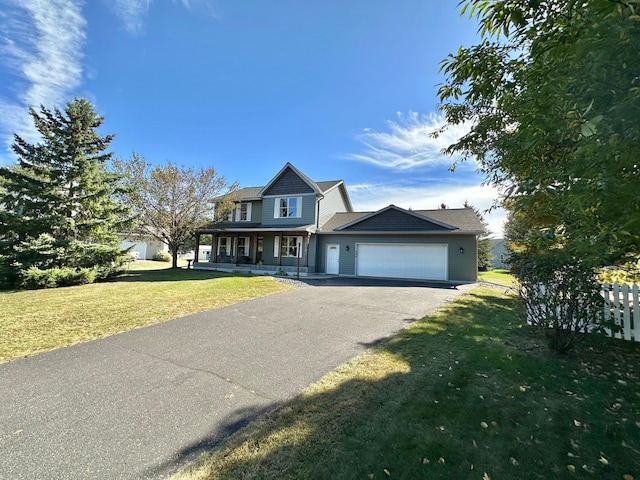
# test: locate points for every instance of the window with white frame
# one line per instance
(243, 246)
(288, 207)
(224, 246)
(243, 212)
(291, 247)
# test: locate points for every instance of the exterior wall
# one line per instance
(499, 253)
(462, 266)
(256, 212)
(332, 202)
(308, 212)
(269, 259)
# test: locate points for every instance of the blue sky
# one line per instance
(343, 89)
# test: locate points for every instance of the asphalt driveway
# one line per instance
(143, 403)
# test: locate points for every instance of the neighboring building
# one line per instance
(500, 253)
(144, 246)
(295, 224)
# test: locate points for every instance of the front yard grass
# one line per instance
(465, 393)
(501, 277)
(40, 320)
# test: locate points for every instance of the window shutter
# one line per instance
(299, 246)
(237, 213)
(276, 208)
(248, 212)
(299, 209)
(276, 247)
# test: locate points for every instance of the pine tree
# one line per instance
(485, 244)
(58, 207)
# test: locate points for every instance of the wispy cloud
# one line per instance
(41, 46)
(409, 142)
(372, 197)
(133, 13)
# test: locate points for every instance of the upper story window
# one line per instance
(288, 207)
(242, 213)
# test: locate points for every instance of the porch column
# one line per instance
(253, 248)
(197, 252)
(214, 249)
(306, 250)
(212, 255)
(280, 249)
(237, 249)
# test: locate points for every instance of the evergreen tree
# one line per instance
(57, 204)
(485, 244)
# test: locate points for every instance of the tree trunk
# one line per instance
(174, 256)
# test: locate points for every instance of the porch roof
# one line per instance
(311, 228)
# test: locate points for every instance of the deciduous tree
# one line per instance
(172, 201)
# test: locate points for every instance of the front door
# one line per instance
(333, 259)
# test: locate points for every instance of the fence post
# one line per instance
(626, 318)
(636, 313)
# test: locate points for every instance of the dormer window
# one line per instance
(288, 207)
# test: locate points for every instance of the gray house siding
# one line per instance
(256, 211)
(462, 266)
(289, 183)
(332, 202)
(308, 213)
(269, 259)
(393, 220)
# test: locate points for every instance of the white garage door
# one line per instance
(419, 261)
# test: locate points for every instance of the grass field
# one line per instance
(501, 277)
(150, 292)
(466, 393)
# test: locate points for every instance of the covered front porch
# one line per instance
(258, 251)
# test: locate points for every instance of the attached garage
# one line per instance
(397, 260)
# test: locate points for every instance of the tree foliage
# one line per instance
(553, 94)
(57, 206)
(171, 201)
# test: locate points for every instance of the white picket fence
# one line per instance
(621, 303)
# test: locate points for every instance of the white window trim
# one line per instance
(276, 247)
(229, 244)
(238, 211)
(247, 246)
(276, 207)
(298, 246)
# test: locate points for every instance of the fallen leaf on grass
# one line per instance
(484, 425)
(387, 472)
(486, 476)
(571, 468)
(425, 461)
(371, 475)
(603, 460)
(441, 461)
(577, 423)
(626, 476)
(514, 462)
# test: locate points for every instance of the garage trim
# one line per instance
(411, 266)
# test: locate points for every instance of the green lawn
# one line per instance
(467, 393)
(501, 277)
(39, 320)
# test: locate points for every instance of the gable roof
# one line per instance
(395, 219)
(289, 169)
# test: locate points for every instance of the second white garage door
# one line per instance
(419, 261)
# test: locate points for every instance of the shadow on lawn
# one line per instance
(471, 392)
(171, 275)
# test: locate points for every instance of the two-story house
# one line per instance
(294, 224)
